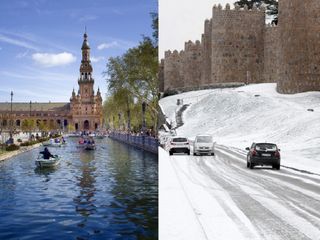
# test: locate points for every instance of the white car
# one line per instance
(179, 145)
(203, 144)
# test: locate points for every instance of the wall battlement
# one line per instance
(238, 46)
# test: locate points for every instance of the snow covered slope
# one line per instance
(255, 113)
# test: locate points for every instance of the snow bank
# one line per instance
(255, 113)
(176, 218)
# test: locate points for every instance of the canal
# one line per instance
(109, 193)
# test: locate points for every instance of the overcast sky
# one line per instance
(183, 20)
(40, 43)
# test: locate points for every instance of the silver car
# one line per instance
(178, 145)
(203, 144)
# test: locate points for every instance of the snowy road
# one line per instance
(219, 198)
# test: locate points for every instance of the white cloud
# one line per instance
(108, 45)
(17, 42)
(52, 60)
(96, 59)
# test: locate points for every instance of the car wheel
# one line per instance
(194, 154)
(251, 165)
(248, 165)
(278, 167)
(212, 154)
(188, 152)
(170, 153)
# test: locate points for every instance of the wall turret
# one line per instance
(299, 45)
(237, 45)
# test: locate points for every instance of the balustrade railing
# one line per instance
(142, 141)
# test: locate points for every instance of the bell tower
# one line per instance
(86, 80)
(86, 107)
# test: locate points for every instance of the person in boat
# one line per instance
(63, 140)
(46, 153)
(81, 141)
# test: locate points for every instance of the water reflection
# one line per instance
(110, 193)
(135, 194)
(85, 200)
(45, 172)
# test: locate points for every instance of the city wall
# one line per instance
(238, 47)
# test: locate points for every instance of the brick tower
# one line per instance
(86, 107)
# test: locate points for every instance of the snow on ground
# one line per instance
(255, 113)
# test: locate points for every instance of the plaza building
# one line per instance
(82, 113)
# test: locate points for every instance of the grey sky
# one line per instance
(183, 20)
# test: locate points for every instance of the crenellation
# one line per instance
(238, 47)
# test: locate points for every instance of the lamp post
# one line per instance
(144, 105)
(30, 108)
(119, 124)
(30, 104)
(129, 120)
(11, 120)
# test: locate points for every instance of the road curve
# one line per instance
(233, 202)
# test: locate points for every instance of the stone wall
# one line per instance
(299, 46)
(161, 76)
(237, 47)
(191, 64)
(271, 53)
(206, 53)
(172, 78)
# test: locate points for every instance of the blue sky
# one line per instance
(40, 43)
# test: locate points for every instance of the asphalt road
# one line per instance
(231, 201)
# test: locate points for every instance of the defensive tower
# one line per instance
(299, 46)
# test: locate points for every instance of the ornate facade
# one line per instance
(237, 47)
(83, 113)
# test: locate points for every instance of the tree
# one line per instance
(43, 127)
(271, 5)
(28, 125)
(133, 78)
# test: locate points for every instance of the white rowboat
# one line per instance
(44, 163)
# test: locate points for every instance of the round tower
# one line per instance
(299, 70)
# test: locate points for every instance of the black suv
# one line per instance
(263, 154)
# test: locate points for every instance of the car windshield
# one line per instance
(266, 146)
(204, 139)
(179, 140)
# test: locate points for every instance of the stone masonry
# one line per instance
(238, 47)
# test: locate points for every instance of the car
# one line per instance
(203, 144)
(263, 154)
(179, 145)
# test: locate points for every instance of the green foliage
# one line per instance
(12, 147)
(43, 126)
(28, 125)
(155, 27)
(133, 79)
(28, 143)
